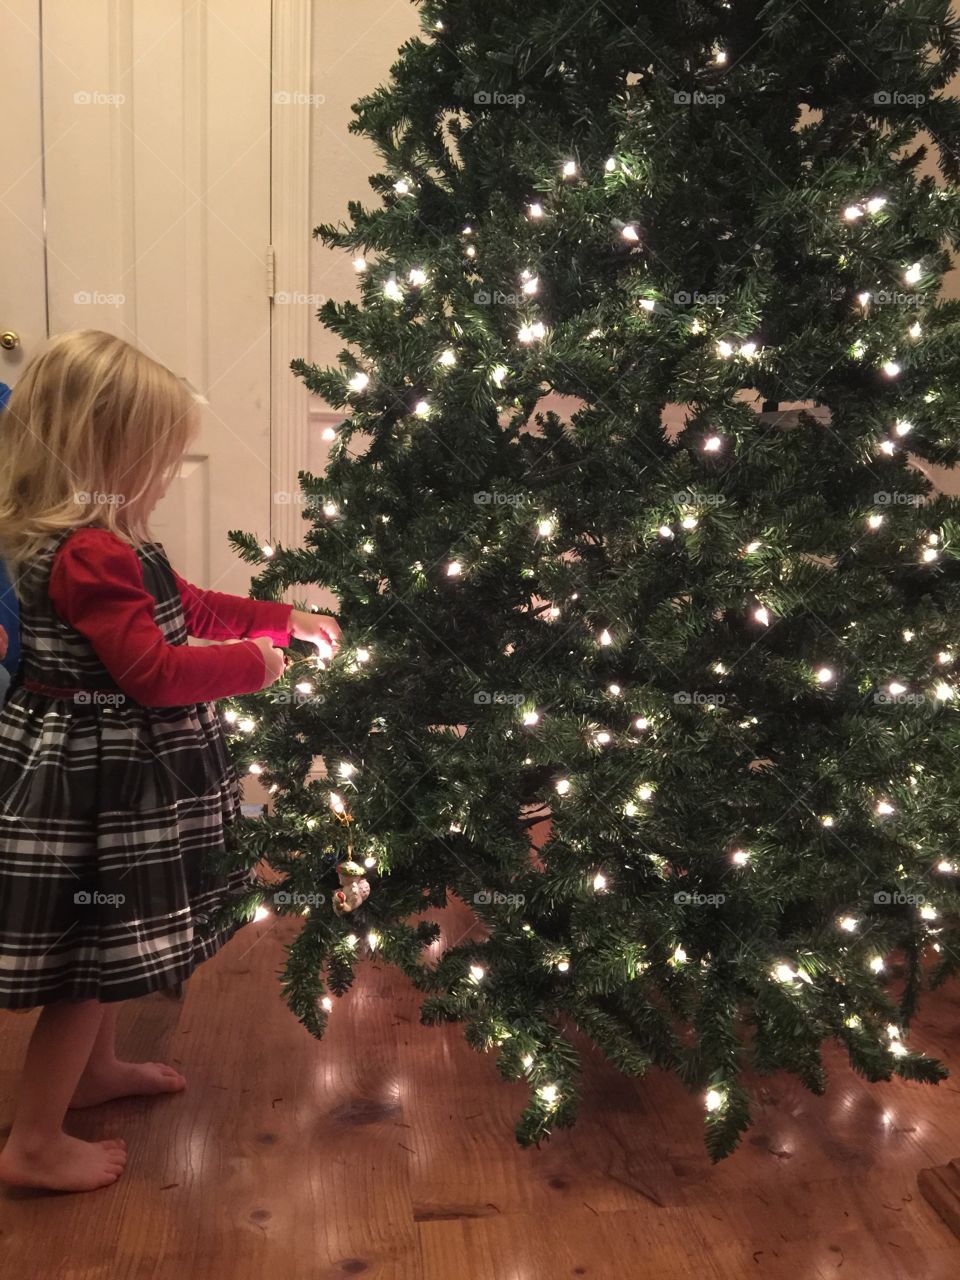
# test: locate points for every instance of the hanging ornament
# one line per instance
(354, 888)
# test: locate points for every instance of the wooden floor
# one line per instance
(387, 1151)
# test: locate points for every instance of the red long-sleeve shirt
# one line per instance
(96, 586)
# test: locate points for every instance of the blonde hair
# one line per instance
(93, 433)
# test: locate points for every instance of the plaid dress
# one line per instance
(110, 813)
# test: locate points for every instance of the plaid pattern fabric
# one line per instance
(110, 813)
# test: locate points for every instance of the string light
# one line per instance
(359, 265)
(903, 428)
(562, 786)
(848, 924)
(359, 381)
(874, 521)
(326, 1003)
(824, 675)
(392, 289)
(713, 1100)
(448, 358)
(852, 212)
(689, 522)
(762, 615)
(605, 638)
(261, 913)
(570, 169)
(330, 509)
(531, 718)
(740, 857)
(891, 369)
(337, 803)
(373, 941)
(913, 274)
(599, 882)
(417, 276)
(454, 569)
(712, 444)
(876, 964)
(256, 769)
(549, 1094)
(884, 808)
(630, 232)
(535, 211)
(477, 972)
(665, 531)
(876, 203)
(531, 332)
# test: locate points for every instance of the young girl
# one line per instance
(115, 783)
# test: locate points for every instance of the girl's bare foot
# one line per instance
(124, 1080)
(62, 1163)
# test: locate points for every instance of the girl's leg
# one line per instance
(106, 1077)
(38, 1153)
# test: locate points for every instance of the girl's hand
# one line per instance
(319, 628)
(274, 662)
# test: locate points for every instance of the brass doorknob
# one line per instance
(9, 340)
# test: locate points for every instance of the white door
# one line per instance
(150, 217)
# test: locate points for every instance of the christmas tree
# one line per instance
(721, 656)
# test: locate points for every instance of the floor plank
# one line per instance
(387, 1151)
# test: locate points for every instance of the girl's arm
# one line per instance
(213, 615)
(96, 587)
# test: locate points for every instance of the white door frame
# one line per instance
(292, 74)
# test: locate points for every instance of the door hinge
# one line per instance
(271, 271)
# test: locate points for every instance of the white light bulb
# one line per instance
(477, 972)
(535, 211)
(563, 966)
(679, 956)
(748, 350)
(604, 638)
(614, 690)
(946, 868)
(713, 1100)
(230, 717)
(665, 531)
(359, 265)
(531, 718)
(891, 369)
(648, 304)
(852, 212)
(261, 913)
(562, 786)
(888, 447)
(874, 521)
(359, 381)
(929, 555)
(902, 427)
(913, 274)
(895, 687)
(328, 433)
(267, 550)
(603, 738)
(611, 165)
(337, 803)
(454, 569)
(712, 444)
(531, 286)
(689, 522)
(326, 1003)
(448, 358)
(545, 528)
(876, 203)
(351, 939)
(641, 724)
(304, 686)
(848, 924)
(527, 1061)
(762, 616)
(570, 169)
(346, 769)
(417, 276)
(784, 973)
(256, 768)
(751, 547)
(422, 408)
(740, 857)
(944, 692)
(330, 509)
(392, 289)
(373, 941)
(928, 913)
(915, 330)
(827, 820)
(363, 655)
(599, 882)
(824, 675)
(630, 232)
(944, 656)
(863, 298)
(630, 809)
(549, 1093)
(884, 808)
(402, 187)
(645, 793)
(724, 349)
(876, 964)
